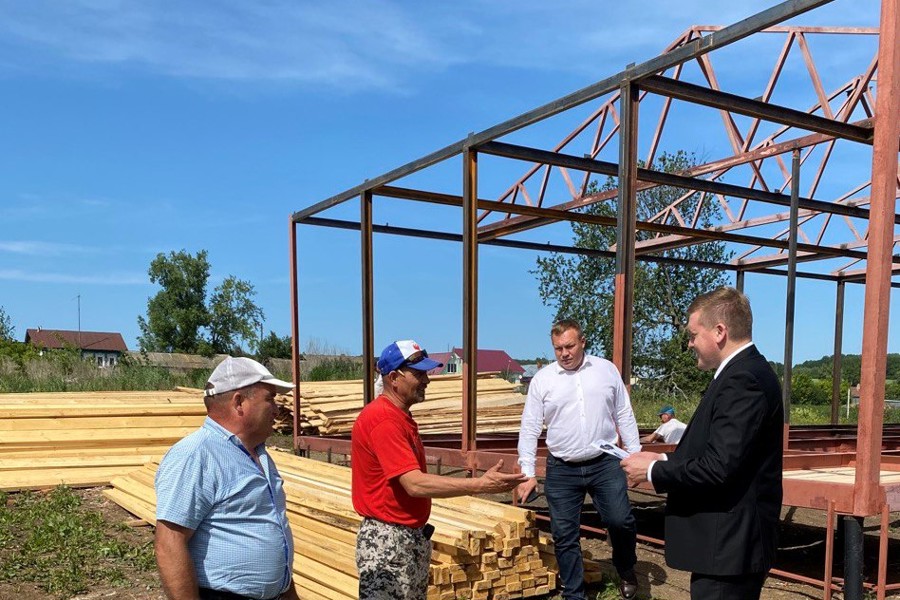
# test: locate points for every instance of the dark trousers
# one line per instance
(208, 594)
(721, 587)
(565, 487)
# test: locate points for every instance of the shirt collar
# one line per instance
(730, 356)
(216, 428)
(584, 363)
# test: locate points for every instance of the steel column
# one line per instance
(853, 557)
(626, 230)
(790, 299)
(368, 295)
(470, 298)
(878, 267)
(838, 350)
(739, 280)
(295, 334)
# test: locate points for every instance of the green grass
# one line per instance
(55, 542)
(646, 407)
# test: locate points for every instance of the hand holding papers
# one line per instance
(610, 449)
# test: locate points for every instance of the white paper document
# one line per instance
(610, 449)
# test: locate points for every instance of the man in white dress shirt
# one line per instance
(583, 402)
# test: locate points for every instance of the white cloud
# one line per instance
(358, 45)
(39, 248)
(105, 279)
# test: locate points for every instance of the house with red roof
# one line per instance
(485, 361)
(103, 347)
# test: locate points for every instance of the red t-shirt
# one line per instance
(385, 445)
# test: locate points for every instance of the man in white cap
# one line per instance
(222, 531)
(392, 488)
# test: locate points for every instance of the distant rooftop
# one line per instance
(99, 341)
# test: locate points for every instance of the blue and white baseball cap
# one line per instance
(405, 353)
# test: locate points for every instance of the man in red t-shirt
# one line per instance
(392, 488)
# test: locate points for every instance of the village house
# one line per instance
(105, 348)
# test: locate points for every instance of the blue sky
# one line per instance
(133, 128)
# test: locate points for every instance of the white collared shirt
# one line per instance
(719, 370)
(730, 356)
(578, 407)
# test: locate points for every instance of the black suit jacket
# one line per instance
(724, 478)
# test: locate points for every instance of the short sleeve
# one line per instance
(185, 488)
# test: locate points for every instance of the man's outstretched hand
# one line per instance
(495, 482)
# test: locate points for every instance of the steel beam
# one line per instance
(836, 374)
(295, 331)
(878, 267)
(790, 299)
(538, 247)
(549, 215)
(701, 185)
(623, 303)
(698, 94)
(470, 298)
(368, 295)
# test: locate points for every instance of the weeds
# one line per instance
(53, 541)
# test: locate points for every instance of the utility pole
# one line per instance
(79, 322)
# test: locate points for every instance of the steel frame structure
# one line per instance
(851, 227)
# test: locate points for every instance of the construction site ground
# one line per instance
(802, 550)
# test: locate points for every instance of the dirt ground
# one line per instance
(802, 550)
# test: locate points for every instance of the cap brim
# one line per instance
(282, 386)
(426, 364)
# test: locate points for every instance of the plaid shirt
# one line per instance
(242, 540)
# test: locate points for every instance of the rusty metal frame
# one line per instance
(833, 119)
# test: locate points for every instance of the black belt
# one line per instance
(208, 594)
(581, 463)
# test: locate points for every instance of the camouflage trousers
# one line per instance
(392, 561)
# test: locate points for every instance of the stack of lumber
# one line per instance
(87, 438)
(331, 407)
(481, 550)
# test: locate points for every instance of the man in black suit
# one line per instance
(724, 479)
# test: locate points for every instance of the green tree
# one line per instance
(233, 316)
(179, 317)
(274, 346)
(176, 314)
(806, 390)
(582, 287)
(7, 331)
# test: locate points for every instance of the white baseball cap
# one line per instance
(236, 373)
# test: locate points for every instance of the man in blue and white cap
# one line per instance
(669, 432)
(392, 488)
(222, 531)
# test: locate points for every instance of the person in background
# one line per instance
(391, 486)
(222, 531)
(669, 432)
(583, 402)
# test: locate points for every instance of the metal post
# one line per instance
(791, 293)
(295, 335)
(853, 558)
(470, 297)
(836, 359)
(739, 280)
(878, 267)
(368, 296)
(623, 312)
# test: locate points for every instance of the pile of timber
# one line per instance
(85, 439)
(481, 550)
(331, 407)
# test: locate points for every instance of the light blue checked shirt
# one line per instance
(242, 540)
